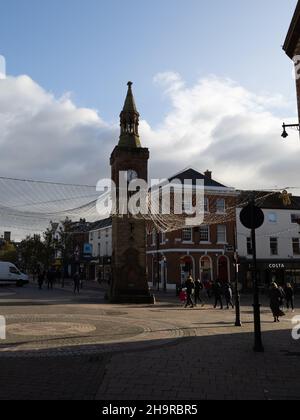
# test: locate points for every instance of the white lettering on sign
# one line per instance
(276, 266)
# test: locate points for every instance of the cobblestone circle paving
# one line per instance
(61, 346)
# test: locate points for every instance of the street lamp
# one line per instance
(252, 217)
(238, 322)
(158, 272)
(165, 274)
(285, 134)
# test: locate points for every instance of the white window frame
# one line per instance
(207, 227)
(225, 235)
(293, 241)
(154, 237)
(206, 205)
(163, 236)
(223, 207)
(277, 242)
(187, 241)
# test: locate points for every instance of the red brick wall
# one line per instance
(196, 250)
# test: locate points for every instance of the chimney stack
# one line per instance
(208, 174)
(7, 236)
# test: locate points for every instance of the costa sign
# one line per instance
(276, 266)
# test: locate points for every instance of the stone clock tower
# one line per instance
(129, 283)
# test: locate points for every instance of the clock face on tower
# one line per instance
(131, 175)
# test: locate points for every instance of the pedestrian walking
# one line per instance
(198, 289)
(208, 287)
(49, 280)
(41, 279)
(290, 297)
(228, 295)
(275, 302)
(282, 296)
(183, 296)
(217, 291)
(190, 288)
(76, 280)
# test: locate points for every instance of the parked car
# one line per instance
(9, 273)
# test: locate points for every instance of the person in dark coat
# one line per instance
(290, 297)
(198, 289)
(282, 294)
(275, 302)
(41, 279)
(190, 287)
(228, 295)
(217, 291)
(50, 279)
(208, 287)
(76, 280)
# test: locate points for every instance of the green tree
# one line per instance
(64, 243)
(32, 252)
(8, 253)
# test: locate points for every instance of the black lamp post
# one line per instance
(285, 134)
(158, 259)
(252, 217)
(238, 322)
(165, 274)
(258, 346)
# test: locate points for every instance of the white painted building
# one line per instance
(100, 237)
(277, 243)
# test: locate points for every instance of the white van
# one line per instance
(10, 274)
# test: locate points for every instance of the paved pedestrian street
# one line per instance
(61, 346)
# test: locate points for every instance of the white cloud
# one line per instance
(48, 138)
(215, 124)
(220, 125)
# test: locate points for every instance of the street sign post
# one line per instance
(252, 217)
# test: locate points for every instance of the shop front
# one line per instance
(269, 271)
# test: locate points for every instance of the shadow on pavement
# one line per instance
(215, 367)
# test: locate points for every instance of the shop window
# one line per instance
(206, 269)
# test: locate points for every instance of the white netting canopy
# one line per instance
(28, 206)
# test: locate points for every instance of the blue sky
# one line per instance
(92, 47)
(211, 82)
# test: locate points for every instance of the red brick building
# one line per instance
(206, 251)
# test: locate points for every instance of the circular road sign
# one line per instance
(252, 217)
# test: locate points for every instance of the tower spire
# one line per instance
(129, 121)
